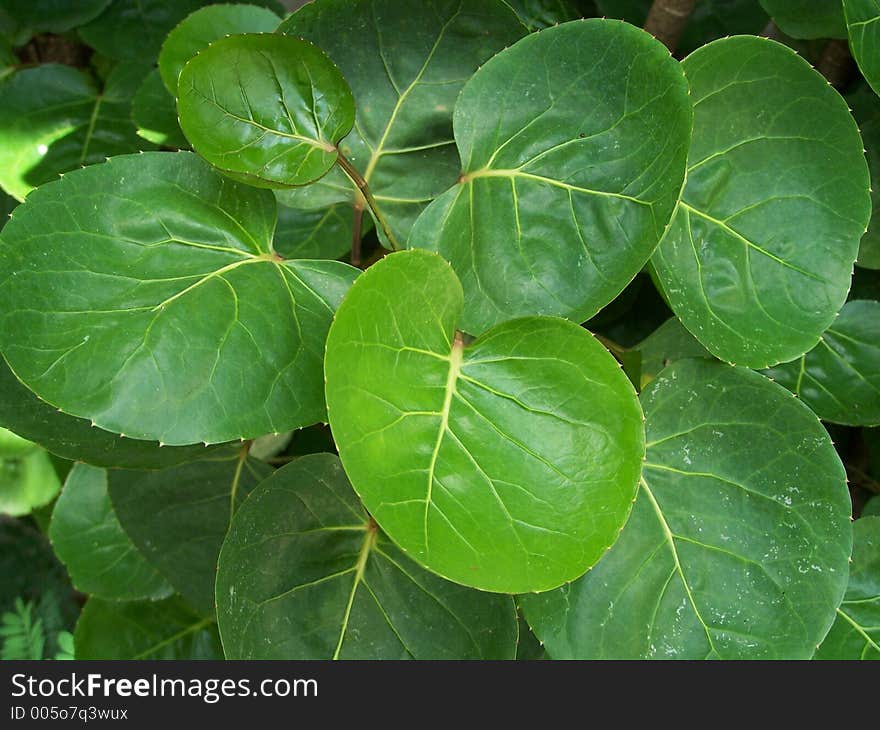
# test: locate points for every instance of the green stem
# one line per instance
(364, 189)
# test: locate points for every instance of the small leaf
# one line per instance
(75, 438)
(866, 109)
(758, 259)
(267, 108)
(305, 574)
(667, 344)
(839, 379)
(206, 25)
(406, 70)
(570, 175)
(27, 481)
(739, 540)
(313, 234)
(178, 517)
(167, 316)
(856, 631)
(154, 112)
(145, 630)
(808, 18)
(87, 537)
(22, 634)
(509, 464)
(55, 119)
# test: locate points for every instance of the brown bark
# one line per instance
(667, 20)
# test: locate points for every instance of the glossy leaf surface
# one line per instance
(758, 260)
(167, 315)
(739, 540)
(305, 574)
(570, 173)
(508, 464)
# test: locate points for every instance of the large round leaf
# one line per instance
(165, 314)
(840, 378)
(508, 464)
(758, 260)
(856, 631)
(54, 119)
(866, 109)
(166, 629)
(265, 107)
(863, 28)
(808, 18)
(739, 540)
(573, 146)
(178, 517)
(86, 535)
(203, 27)
(305, 574)
(406, 70)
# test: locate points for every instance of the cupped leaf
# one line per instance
(406, 70)
(839, 379)
(86, 535)
(76, 438)
(268, 108)
(808, 18)
(508, 464)
(27, 480)
(570, 175)
(863, 29)
(306, 574)
(165, 314)
(154, 113)
(856, 631)
(166, 629)
(21, 19)
(866, 109)
(178, 517)
(758, 260)
(667, 344)
(739, 540)
(313, 234)
(54, 118)
(206, 25)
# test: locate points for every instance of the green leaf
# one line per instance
(567, 184)
(203, 27)
(266, 108)
(167, 315)
(538, 14)
(26, 481)
(13, 445)
(100, 558)
(154, 113)
(136, 30)
(406, 70)
(839, 379)
(856, 631)
(145, 630)
(54, 119)
(508, 464)
(872, 507)
(313, 234)
(667, 344)
(22, 634)
(758, 260)
(864, 34)
(22, 19)
(178, 517)
(866, 109)
(808, 18)
(739, 539)
(76, 438)
(305, 574)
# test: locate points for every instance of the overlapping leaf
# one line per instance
(313, 234)
(573, 146)
(863, 29)
(264, 107)
(808, 18)
(154, 113)
(667, 344)
(166, 629)
(21, 19)
(27, 476)
(856, 631)
(54, 118)
(757, 262)
(866, 109)
(86, 535)
(406, 70)
(305, 574)
(739, 540)
(509, 463)
(165, 314)
(178, 517)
